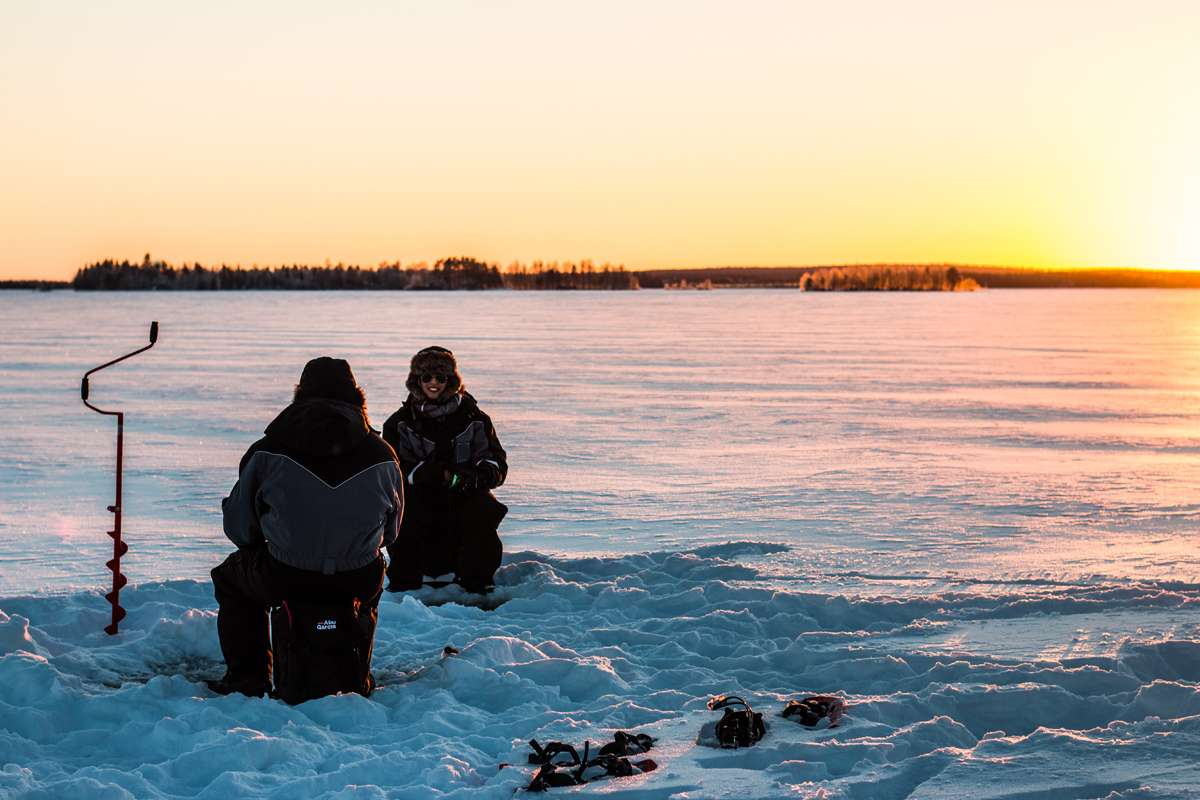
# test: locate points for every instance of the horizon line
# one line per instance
(327, 264)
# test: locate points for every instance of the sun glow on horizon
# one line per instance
(1180, 223)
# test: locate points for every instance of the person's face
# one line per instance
(433, 384)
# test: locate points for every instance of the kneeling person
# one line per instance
(451, 458)
(316, 499)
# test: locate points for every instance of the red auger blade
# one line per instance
(119, 582)
(118, 615)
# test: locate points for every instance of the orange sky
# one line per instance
(649, 133)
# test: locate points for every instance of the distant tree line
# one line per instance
(724, 277)
(887, 278)
(462, 272)
(44, 286)
(866, 277)
(459, 272)
(1008, 278)
(447, 273)
(570, 275)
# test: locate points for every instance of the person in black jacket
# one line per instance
(315, 501)
(451, 459)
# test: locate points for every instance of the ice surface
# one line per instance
(971, 516)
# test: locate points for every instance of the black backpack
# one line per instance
(321, 648)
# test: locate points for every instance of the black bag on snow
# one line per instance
(737, 727)
(322, 648)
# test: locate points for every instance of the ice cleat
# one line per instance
(814, 708)
(737, 727)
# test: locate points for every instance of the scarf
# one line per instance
(435, 409)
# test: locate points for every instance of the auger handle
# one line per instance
(83, 386)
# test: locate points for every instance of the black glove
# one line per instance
(489, 475)
(464, 479)
(429, 473)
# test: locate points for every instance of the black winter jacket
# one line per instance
(321, 488)
(428, 446)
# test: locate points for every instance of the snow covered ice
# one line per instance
(971, 516)
(588, 645)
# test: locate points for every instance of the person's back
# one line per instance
(318, 488)
(317, 498)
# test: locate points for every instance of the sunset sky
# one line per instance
(654, 134)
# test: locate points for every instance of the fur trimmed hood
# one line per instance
(434, 359)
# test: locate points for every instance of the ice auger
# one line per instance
(119, 547)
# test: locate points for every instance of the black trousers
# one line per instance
(456, 536)
(250, 582)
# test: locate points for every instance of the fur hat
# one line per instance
(434, 359)
(329, 378)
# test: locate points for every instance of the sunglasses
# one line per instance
(429, 377)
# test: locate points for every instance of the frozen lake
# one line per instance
(1039, 433)
(973, 514)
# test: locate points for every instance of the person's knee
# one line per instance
(220, 581)
(404, 561)
(240, 578)
(372, 588)
(480, 553)
(489, 545)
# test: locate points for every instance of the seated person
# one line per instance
(315, 501)
(451, 459)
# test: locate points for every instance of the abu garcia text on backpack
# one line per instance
(322, 648)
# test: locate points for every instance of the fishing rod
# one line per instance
(119, 547)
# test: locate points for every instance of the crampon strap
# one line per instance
(627, 744)
(811, 710)
(551, 775)
(551, 752)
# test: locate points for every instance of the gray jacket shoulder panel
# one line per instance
(308, 523)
